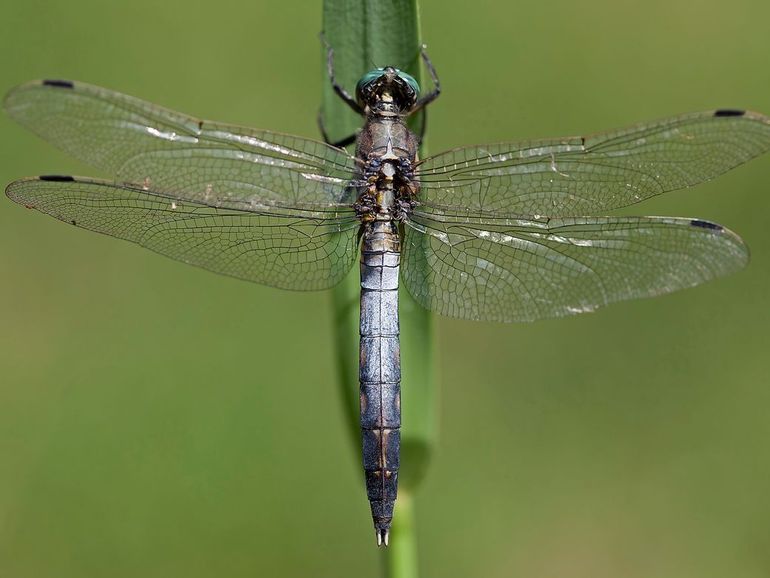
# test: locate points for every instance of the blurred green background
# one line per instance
(157, 420)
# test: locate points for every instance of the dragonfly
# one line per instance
(506, 232)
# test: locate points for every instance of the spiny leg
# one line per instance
(338, 88)
(433, 94)
(348, 140)
(423, 123)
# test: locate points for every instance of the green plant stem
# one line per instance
(400, 559)
(366, 34)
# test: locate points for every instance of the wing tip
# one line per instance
(736, 239)
(738, 113)
(12, 190)
(8, 100)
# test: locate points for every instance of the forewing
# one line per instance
(588, 175)
(178, 155)
(524, 270)
(284, 251)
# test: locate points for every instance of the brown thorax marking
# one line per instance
(388, 148)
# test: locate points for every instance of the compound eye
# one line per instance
(413, 84)
(365, 81)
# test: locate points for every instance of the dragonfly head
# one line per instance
(387, 89)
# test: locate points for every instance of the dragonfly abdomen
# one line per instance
(380, 370)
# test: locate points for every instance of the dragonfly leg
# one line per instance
(423, 124)
(350, 139)
(433, 94)
(338, 88)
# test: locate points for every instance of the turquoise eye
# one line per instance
(373, 75)
(410, 81)
(369, 77)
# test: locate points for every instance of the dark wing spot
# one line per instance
(729, 112)
(57, 178)
(706, 225)
(59, 83)
(74, 222)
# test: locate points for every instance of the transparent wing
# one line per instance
(587, 175)
(177, 155)
(279, 250)
(523, 270)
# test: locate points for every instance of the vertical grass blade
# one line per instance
(366, 34)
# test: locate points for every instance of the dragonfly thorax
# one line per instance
(387, 90)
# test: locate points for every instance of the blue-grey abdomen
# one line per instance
(380, 369)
